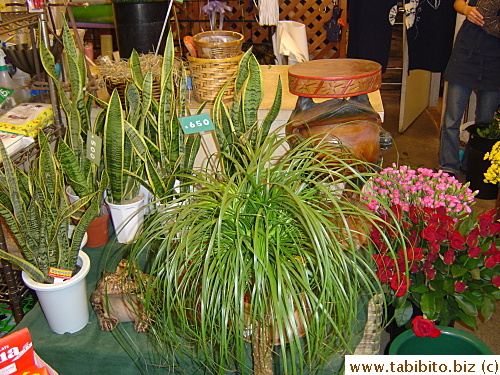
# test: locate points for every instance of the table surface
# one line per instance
(122, 351)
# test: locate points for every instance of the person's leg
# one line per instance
(487, 104)
(456, 102)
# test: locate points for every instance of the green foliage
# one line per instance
(153, 127)
(37, 212)
(81, 174)
(492, 130)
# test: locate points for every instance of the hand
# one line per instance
(473, 15)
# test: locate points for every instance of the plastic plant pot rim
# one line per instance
(466, 336)
(84, 262)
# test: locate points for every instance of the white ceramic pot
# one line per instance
(65, 304)
(127, 219)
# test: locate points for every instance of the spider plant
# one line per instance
(268, 251)
(35, 208)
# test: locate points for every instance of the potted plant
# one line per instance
(262, 252)
(82, 175)
(153, 127)
(139, 25)
(425, 338)
(35, 208)
(449, 268)
(481, 140)
(124, 170)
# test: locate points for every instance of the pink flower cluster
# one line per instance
(422, 187)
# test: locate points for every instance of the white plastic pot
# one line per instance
(65, 304)
(127, 219)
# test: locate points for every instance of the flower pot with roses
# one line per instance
(450, 267)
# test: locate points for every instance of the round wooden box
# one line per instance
(334, 78)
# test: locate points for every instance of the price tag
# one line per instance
(94, 148)
(60, 273)
(196, 124)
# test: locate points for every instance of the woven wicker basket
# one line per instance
(218, 44)
(210, 75)
(121, 86)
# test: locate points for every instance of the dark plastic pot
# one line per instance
(477, 166)
(452, 341)
(138, 26)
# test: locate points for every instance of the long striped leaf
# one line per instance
(251, 95)
(69, 164)
(273, 112)
(135, 69)
(49, 65)
(114, 140)
(27, 267)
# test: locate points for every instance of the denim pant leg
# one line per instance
(456, 102)
(487, 104)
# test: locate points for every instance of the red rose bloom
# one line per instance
(441, 235)
(486, 221)
(492, 250)
(429, 234)
(430, 273)
(434, 247)
(449, 257)
(474, 252)
(496, 281)
(447, 223)
(383, 261)
(400, 283)
(457, 241)
(431, 257)
(471, 239)
(460, 286)
(492, 261)
(414, 268)
(384, 275)
(412, 254)
(424, 327)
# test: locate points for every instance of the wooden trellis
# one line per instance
(243, 19)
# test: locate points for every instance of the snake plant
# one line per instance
(81, 174)
(153, 126)
(35, 208)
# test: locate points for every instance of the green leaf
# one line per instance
(475, 273)
(403, 313)
(471, 297)
(457, 270)
(428, 305)
(467, 307)
(114, 140)
(419, 288)
(488, 308)
(135, 69)
(471, 321)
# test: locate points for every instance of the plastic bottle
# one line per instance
(10, 94)
(22, 79)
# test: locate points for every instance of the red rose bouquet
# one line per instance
(449, 267)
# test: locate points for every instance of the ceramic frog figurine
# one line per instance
(114, 299)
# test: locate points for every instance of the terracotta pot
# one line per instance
(98, 230)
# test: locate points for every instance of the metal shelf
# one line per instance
(12, 21)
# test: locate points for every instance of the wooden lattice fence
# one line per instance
(243, 19)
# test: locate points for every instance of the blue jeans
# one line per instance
(456, 102)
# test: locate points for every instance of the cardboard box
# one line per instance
(18, 357)
(27, 119)
(15, 142)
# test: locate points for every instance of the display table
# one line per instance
(89, 351)
(93, 352)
